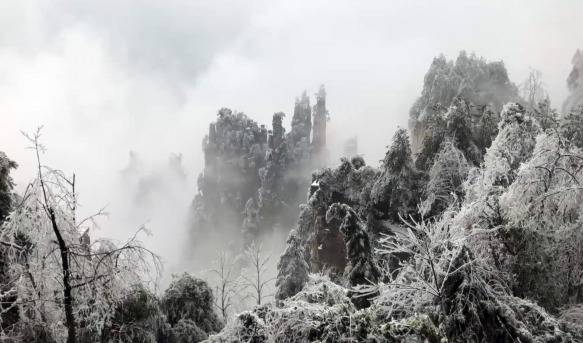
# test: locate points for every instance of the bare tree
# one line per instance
(256, 277)
(533, 89)
(49, 256)
(228, 284)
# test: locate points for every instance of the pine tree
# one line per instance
(513, 145)
(571, 126)
(446, 177)
(361, 269)
(395, 191)
(292, 269)
(6, 185)
(138, 318)
(189, 298)
(459, 129)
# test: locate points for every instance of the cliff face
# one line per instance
(575, 83)
(254, 177)
(377, 196)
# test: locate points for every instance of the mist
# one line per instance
(106, 78)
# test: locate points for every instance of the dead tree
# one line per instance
(533, 89)
(256, 279)
(227, 285)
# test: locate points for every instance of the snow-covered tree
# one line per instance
(9, 313)
(484, 86)
(468, 299)
(186, 331)
(426, 250)
(459, 129)
(571, 126)
(137, 318)
(542, 208)
(395, 191)
(189, 298)
(517, 132)
(361, 268)
(292, 269)
(6, 185)
(432, 139)
(350, 183)
(446, 177)
(62, 283)
(471, 129)
(545, 115)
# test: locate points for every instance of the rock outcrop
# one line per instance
(255, 178)
(575, 84)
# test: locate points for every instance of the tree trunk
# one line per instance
(67, 296)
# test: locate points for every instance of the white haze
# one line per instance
(107, 77)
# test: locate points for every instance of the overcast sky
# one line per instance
(107, 76)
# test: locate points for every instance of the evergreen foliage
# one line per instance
(292, 269)
(6, 185)
(189, 298)
(395, 192)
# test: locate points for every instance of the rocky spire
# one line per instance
(320, 118)
(301, 125)
(255, 175)
(575, 83)
(278, 130)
